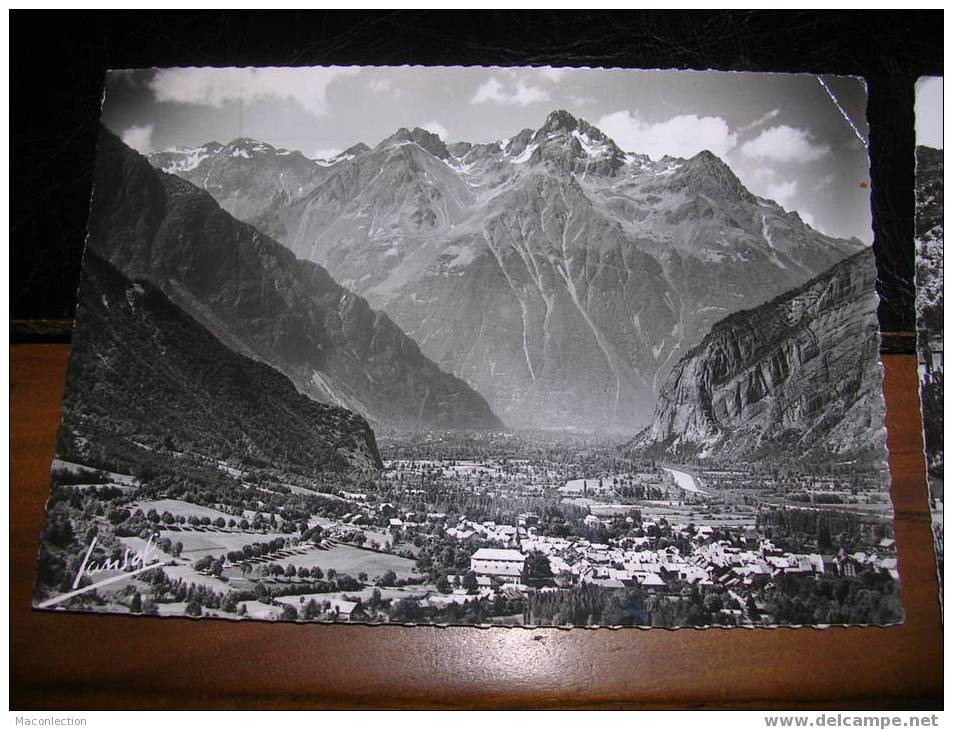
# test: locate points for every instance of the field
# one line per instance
(386, 593)
(196, 545)
(182, 570)
(593, 486)
(177, 507)
(345, 559)
(118, 481)
(189, 575)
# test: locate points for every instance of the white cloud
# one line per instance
(767, 183)
(437, 128)
(379, 86)
(552, 74)
(526, 94)
(216, 86)
(683, 136)
(784, 144)
(521, 94)
(761, 120)
(781, 191)
(139, 138)
(490, 90)
(581, 100)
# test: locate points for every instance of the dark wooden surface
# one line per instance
(98, 662)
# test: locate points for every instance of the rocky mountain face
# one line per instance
(257, 298)
(929, 303)
(557, 274)
(144, 376)
(798, 376)
(929, 235)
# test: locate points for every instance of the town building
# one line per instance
(495, 565)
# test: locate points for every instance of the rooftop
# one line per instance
(497, 554)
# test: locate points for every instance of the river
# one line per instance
(684, 480)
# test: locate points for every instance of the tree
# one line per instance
(388, 579)
(443, 584)
(823, 535)
(193, 608)
(135, 605)
(231, 603)
(311, 610)
(538, 569)
(470, 582)
(406, 609)
(289, 612)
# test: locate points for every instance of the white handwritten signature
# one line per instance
(133, 562)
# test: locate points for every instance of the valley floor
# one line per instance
(482, 528)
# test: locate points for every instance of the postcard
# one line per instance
(476, 346)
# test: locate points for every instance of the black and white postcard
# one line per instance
(929, 288)
(469, 346)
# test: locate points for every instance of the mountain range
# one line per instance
(558, 275)
(257, 298)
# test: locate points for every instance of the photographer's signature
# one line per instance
(133, 562)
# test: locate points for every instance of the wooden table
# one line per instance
(97, 662)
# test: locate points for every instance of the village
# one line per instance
(462, 531)
(653, 555)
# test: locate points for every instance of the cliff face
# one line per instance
(261, 301)
(798, 376)
(929, 240)
(145, 379)
(929, 303)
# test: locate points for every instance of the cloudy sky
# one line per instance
(798, 139)
(929, 111)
